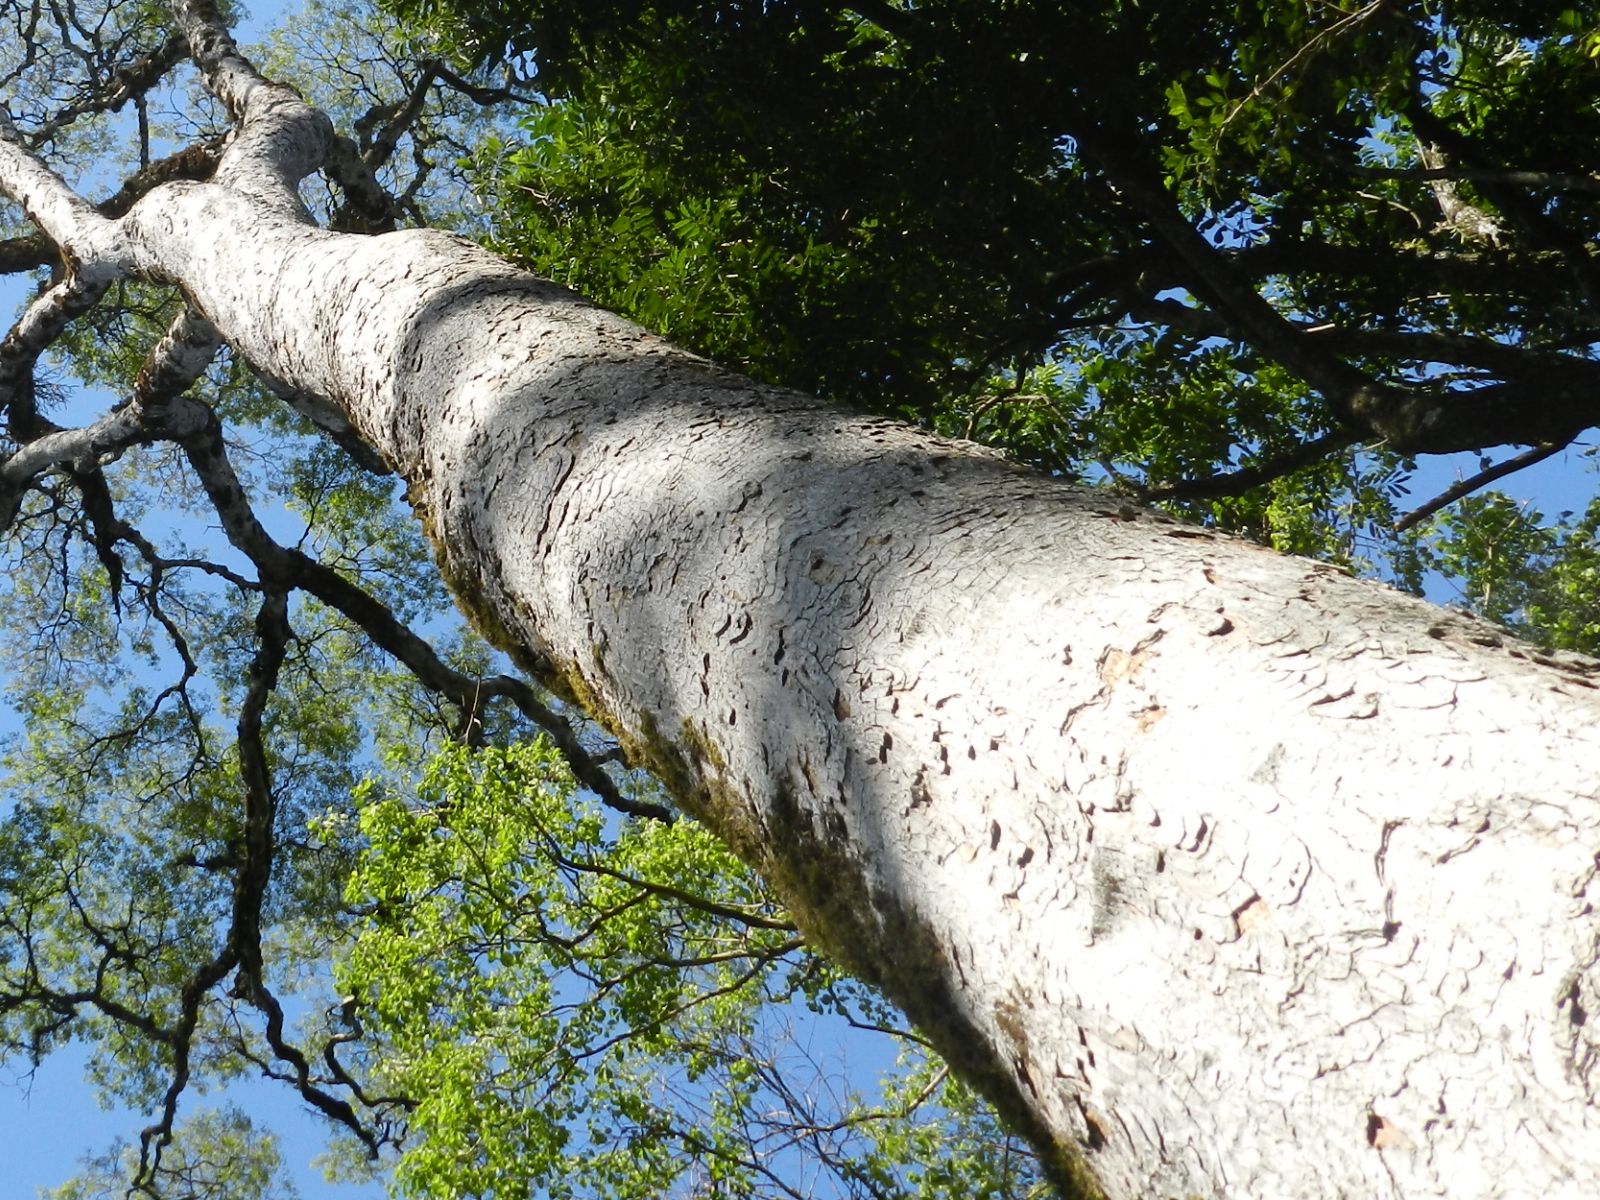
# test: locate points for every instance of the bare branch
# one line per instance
(1460, 215)
(1484, 478)
(130, 83)
(154, 411)
(208, 456)
(193, 162)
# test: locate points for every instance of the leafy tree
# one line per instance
(1019, 754)
(215, 1155)
(1248, 259)
(584, 1012)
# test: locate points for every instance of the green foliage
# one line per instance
(738, 261)
(941, 210)
(1543, 581)
(215, 1155)
(580, 1010)
(972, 215)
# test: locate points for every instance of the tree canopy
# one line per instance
(270, 812)
(1251, 260)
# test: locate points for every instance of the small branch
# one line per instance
(131, 83)
(1445, 171)
(742, 916)
(1311, 47)
(1465, 487)
(1235, 483)
(477, 93)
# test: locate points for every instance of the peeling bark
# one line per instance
(1221, 873)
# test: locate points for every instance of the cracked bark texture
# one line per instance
(1223, 874)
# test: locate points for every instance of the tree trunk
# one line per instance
(1222, 874)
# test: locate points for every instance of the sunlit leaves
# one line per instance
(745, 178)
(582, 1010)
(1541, 580)
(215, 1155)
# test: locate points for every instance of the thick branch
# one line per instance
(153, 412)
(91, 244)
(280, 138)
(193, 162)
(1555, 180)
(293, 568)
(1460, 214)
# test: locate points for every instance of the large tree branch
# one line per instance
(91, 244)
(193, 162)
(1462, 216)
(1357, 398)
(153, 412)
(1554, 180)
(1543, 396)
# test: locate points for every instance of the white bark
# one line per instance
(1223, 874)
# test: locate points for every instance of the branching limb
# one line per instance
(256, 853)
(129, 83)
(155, 1138)
(352, 163)
(92, 245)
(229, 75)
(208, 456)
(1460, 215)
(195, 162)
(41, 324)
(242, 948)
(331, 1106)
(156, 410)
(280, 139)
